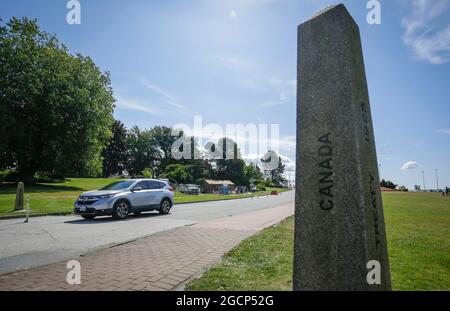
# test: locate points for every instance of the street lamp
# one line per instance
(379, 171)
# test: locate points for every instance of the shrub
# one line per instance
(179, 173)
(402, 188)
(258, 181)
(260, 187)
(46, 177)
(147, 173)
(199, 181)
(9, 176)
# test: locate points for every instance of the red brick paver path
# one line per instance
(162, 261)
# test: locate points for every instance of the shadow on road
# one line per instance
(108, 219)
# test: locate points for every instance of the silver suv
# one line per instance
(124, 197)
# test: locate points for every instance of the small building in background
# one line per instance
(215, 186)
(384, 189)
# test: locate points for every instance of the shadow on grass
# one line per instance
(11, 188)
(109, 219)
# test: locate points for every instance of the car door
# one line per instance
(157, 191)
(140, 198)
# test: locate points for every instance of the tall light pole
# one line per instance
(437, 179)
(379, 171)
(423, 176)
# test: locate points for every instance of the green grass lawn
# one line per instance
(59, 197)
(418, 231)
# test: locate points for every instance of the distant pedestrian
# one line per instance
(447, 191)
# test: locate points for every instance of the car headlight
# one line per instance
(106, 196)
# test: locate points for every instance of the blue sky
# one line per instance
(234, 61)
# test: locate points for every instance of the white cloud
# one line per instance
(250, 76)
(233, 15)
(170, 99)
(157, 89)
(283, 97)
(287, 93)
(410, 165)
(287, 144)
(288, 162)
(444, 131)
(175, 105)
(138, 105)
(236, 64)
(427, 31)
(272, 104)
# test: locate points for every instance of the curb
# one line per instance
(35, 215)
(216, 200)
(182, 286)
(71, 213)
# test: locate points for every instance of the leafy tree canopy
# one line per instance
(178, 173)
(143, 151)
(55, 107)
(115, 156)
(388, 184)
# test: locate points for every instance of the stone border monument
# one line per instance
(19, 204)
(340, 239)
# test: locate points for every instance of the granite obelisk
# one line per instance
(340, 238)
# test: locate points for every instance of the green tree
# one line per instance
(273, 168)
(252, 172)
(147, 173)
(143, 153)
(277, 174)
(115, 155)
(200, 167)
(163, 140)
(178, 173)
(388, 184)
(229, 164)
(55, 108)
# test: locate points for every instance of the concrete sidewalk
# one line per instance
(163, 261)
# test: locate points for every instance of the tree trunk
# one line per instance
(27, 177)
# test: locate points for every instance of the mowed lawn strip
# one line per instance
(417, 227)
(262, 262)
(59, 197)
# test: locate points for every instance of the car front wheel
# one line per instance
(165, 207)
(121, 210)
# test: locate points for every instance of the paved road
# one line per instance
(48, 240)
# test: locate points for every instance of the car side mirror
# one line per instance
(137, 189)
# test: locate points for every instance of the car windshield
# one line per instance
(118, 185)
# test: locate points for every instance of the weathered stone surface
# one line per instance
(339, 213)
(19, 197)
